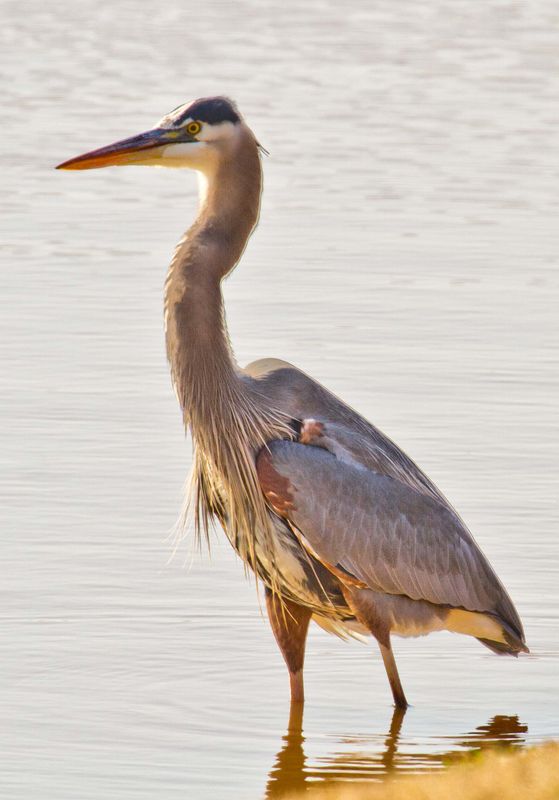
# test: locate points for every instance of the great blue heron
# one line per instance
(338, 523)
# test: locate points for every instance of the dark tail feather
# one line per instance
(500, 648)
(513, 645)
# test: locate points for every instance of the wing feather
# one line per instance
(386, 534)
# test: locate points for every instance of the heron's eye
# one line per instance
(193, 128)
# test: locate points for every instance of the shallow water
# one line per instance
(406, 257)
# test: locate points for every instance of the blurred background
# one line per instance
(406, 257)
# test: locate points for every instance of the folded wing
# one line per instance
(380, 532)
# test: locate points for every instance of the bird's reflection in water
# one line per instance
(290, 772)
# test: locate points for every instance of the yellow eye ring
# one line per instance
(193, 128)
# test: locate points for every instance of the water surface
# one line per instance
(406, 257)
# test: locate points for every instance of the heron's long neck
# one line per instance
(202, 364)
(228, 421)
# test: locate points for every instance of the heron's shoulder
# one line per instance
(297, 394)
(265, 366)
(287, 387)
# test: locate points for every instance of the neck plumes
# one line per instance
(227, 419)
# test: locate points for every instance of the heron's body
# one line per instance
(333, 517)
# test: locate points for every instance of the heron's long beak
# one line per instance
(145, 148)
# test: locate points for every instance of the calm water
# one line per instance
(407, 257)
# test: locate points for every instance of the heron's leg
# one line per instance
(392, 672)
(368, 611)
(290, 623)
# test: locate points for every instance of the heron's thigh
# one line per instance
(290, 623)
(369, 611)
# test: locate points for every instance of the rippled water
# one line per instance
(407, 257)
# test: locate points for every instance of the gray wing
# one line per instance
(383, 533)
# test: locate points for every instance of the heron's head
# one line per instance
(197, 135)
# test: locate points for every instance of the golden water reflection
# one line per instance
(291, 773)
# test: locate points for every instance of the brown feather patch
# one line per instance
(277, 489)
(311, 430)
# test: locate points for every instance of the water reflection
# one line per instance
(384, 754)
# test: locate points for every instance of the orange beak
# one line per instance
(145, 148)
